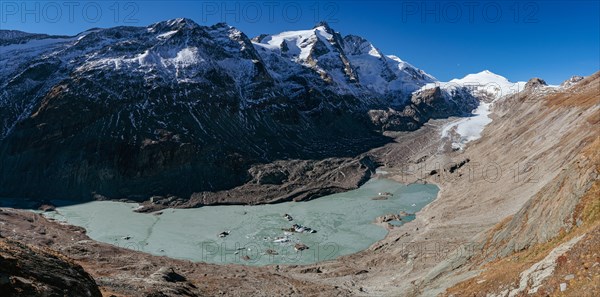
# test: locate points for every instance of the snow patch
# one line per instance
(469, 128)
(299, 43)
(187, 56)
(166, 35)
(41, 44)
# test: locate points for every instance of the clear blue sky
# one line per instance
(516, 39)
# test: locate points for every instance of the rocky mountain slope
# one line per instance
(531, 230)
(176, 108)
(518, 209)
(547, 245)
(27, 271)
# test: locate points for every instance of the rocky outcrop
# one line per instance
(520, 253)
(294, 180)
(391, 217)
(26, 271)
(425, 105)
(168, 274)
(571, 81)
(535, 83)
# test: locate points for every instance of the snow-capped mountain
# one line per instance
(489, 88)
(351, 63)
(177, 108)
(489, 85)
(485, 85)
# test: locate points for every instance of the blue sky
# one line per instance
(517, 39)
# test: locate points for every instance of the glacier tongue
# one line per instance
(488, 87)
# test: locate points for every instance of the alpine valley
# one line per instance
(179, 115)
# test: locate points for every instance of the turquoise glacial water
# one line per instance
(344, 225)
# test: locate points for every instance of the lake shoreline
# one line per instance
(344, 222)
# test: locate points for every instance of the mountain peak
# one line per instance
(535, 83)
(259, 38)
(571, 81)
(323, 24)
(484, 76)
(175, 24)
(488, 85)
(221, 25)
(179, 21)
(488, 73)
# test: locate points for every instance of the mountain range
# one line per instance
(176, 108)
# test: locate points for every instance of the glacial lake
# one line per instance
(344, 224)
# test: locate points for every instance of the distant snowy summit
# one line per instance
(485, 85)
(488, 87)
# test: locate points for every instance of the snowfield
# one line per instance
(484, 84)
(469, 128)
(487, 86)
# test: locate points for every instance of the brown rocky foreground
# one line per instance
(518, 214)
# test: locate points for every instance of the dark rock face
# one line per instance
(27, 272)
(427, 104)
(176, 109)
(279, 181)
(70, 155)
(535, 83)
(168, 274)
(572, 81)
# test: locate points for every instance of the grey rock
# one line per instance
(535, 83)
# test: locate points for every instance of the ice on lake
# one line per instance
(344, 225)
